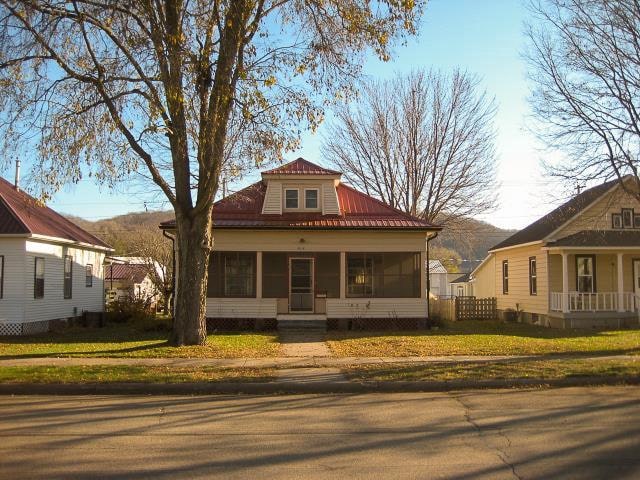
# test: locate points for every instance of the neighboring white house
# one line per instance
(50, 269)
(437, 278)
(461, 286)
(128, 277)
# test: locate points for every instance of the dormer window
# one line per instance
(311, 198)
(291, 198)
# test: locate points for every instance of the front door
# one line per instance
(301, 285)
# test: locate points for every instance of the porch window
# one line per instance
(68, 282)
(359, 275)
(327, 268)
(232, 274)
(586, 273)
(533, 276)
(38, 278)
(291, 198)
(383, 275)
(275, 281)
(505, 277)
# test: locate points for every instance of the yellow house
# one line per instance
(300, 247)
(578, 266)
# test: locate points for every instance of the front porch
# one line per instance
(338, 289)
(591, 284)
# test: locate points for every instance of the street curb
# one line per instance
(284, 387)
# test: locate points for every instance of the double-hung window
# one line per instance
(533, 276)
(291, 198)
(38, 278)
(311, 198)
(68, 268)
(586, 273)
(505, 277)
(88, 275)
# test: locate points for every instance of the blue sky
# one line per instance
(484, 37)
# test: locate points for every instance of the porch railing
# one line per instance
(594, 302)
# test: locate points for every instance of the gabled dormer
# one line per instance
(301, 187)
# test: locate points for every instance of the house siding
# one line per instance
(241, 307)
(273, 199)
(330, 204)
(518, 296)
(484, 282)
(12, 303)
(376, 308)
(319, 241)
(53, 305)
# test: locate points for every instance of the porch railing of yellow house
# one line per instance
(594, 302)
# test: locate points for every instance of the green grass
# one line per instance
(129, 374)
(484, 338)
(124, 341)
(540, 369)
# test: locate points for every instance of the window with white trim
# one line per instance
(505, 277)
(291, 198)
(38, 278)
(586, 273)
(533, 276)
(311, 198)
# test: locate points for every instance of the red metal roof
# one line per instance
(20, 213)
(243, 209)
(132, 272)
(300, 166)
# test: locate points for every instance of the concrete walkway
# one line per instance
(304, 344)
(289, 362)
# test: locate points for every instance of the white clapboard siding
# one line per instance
(12, 302)
(241, 307)
(53, 305)
(273, 198)
(330, 205)
(376, 307)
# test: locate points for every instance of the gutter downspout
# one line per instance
(173, 268)
(429, 238)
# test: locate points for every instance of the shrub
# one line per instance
(129, 309)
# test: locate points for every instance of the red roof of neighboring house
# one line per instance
(20, 213)
(300, 166)
(135, 273)
(243, 209)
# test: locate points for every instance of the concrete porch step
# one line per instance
(302, 326)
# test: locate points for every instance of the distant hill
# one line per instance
(471, 240)
(124, 231)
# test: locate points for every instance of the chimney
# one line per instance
(17, 181)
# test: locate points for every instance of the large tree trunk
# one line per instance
(193, 245)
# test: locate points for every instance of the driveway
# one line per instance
(561, 433)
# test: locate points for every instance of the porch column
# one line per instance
(620, 284)
(565, 282)
(258, 274)
(343, 275)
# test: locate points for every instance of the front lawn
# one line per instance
(128, 374)
(483, 338)
(506, 370)
(125, 341)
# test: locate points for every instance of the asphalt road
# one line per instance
(562, 433)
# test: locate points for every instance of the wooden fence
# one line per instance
(472, 308)
(463, 308)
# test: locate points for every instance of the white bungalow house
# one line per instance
(578, 266)
(50, 269)
(438, 275)
(129, 278)
(302, 245)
